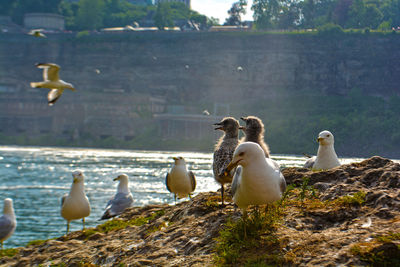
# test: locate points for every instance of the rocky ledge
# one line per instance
(349, 215)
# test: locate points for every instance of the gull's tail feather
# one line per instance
(36, 84)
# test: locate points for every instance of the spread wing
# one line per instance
(235, 182)
(192, 180)
(50, 71)
(53, 96)
(6, 226)
(222, 157)
(167, 182)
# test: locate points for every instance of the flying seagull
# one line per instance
(121, 200)
(37, 33)
(180, 181)
(52, 81)
(326, 155)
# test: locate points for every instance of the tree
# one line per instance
(266, 13)
(6, 6)
(163, 16)
(235, 12)
(90, 14)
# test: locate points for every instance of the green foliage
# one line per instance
(235, 12)
(10, 252)
(330, 29)
(259, 245)
(163, 16)
(82, 34)
(90, 14)
(35, 242)
(356, 199)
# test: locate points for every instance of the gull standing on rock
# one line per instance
(121, 200)
(223, 151)
(254, 132)
(180, 181)
(326, 155)
(52, 81)
(258, 181)
(8, 223)
(75, 205)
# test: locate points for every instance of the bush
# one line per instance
(330, 29)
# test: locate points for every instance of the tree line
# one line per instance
(310, 14)
(96, 14)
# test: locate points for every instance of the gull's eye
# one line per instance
(241, 154)
(328, 135)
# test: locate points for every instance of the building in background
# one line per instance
(47, 21)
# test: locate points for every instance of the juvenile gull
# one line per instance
(258, 181)
(326, 155)
(223, 151)
(52, 81)
(254, 132)
(75, 205)
(8, 223)
(121, 200)
(180, 181)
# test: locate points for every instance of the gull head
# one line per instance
(325, 138)
(8, 206)
(253, 124)
(122, 178)
(179, 160)
(78, 176)
(228, 124)
(245, 154)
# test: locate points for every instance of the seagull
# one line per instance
(223, 151)
(8, 223)
(52, 81)
(254, 132)
(326, 156)
(121, 200)
(206, 112)
(75, 205)
(37, 33)
(180, 181)
(258, 181)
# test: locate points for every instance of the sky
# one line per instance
(218, 8)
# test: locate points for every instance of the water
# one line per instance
(36, 178)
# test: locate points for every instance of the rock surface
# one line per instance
(328, 234)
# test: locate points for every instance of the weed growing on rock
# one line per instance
(234, 248)
(35, 242)
(10, 252)
(356, 199)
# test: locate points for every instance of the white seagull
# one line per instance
(180, 181)
(75, 205)
(258, 181)
(8, 223)
(52, 81)
(37, 33)
(326, 156)
(121, 200)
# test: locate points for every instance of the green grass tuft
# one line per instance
(233, 248)
(35, 242)
(10, 252)
(356, 199)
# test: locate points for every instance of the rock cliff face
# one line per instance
(350, 216)
(208, 65)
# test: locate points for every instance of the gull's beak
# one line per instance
(116, 178)
(218, 124)
(243, 118)
(231, 166)
(75, 180)
(319, 139)
(175, 158)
